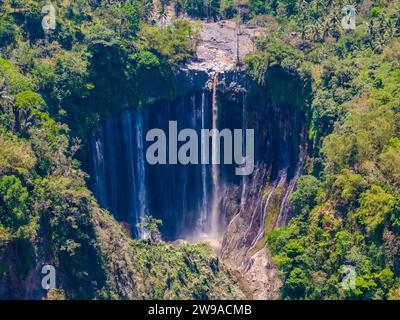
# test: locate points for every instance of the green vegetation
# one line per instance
(345, 211)
(100, 55)
(108, 55)
(73, 76)
(182, 271)
(200, 8)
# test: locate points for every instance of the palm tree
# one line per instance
(162, 14)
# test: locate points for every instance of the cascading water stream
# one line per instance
(215, 207)
(244, 127)
(141, 167)
(285, 205)
(244, 178)
(278, 183)
(119, 167)
(99, 172)
(128, 139)
(204, 208)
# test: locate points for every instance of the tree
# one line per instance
(347, 189)
(295, 284)
(149, 227)
(14, 203)
(33, 22)
(304, 198)
(131, 18)
(26, 103)
(389, 161)
(375, 205)
(175, 43)
(395, 216)
(7, 31)
(291, 7)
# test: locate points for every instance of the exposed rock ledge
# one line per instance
(217, 52)
(222, 45)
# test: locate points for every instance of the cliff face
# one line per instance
(262, 199)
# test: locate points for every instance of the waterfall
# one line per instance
(132, 211)
(119, 167)
(111, 139)
(285, 205)
(204, 207)
(215, 207)
(279, 182)
(188, 198)
(244, 127)
(256, 205)
(142, 191)
(129, 187)
(99, 172)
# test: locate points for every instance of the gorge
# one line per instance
(207, 202)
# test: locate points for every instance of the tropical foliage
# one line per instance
(106, 55)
